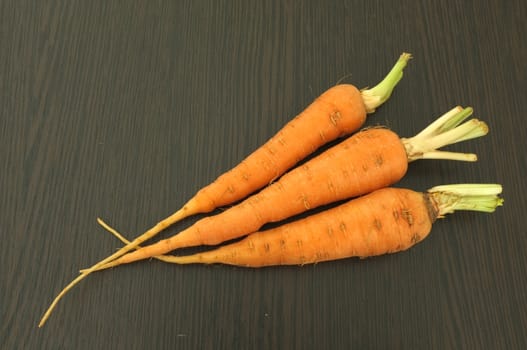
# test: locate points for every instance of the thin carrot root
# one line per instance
(187, 210)
(165, 258)
(119, 236)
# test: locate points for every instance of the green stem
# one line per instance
(450, 124)
(476, 197)
(444, 155)
(472, 129)
(377, 95)
(442, 123)
(446, 130)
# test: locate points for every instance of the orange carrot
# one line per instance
(339, 111)
(369, 160)
(385, 221)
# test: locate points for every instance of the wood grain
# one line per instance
(124, 109)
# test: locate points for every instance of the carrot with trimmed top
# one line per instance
(385, 221)
(339, 111)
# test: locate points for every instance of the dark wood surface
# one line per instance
(123, 109)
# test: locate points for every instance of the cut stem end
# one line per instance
(377, 95)
(446, 130)
(476, 197)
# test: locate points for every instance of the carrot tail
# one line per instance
(377, 95)
(187, 259)
(443, 200)
(187, 210)
(476, 197)
(113, 231)
(180, 260)
(446, 130)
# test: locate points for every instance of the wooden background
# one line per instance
(123, 109)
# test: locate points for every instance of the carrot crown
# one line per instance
(477, 197)
(378, 94)
(446, 130)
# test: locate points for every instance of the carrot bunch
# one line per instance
(370, 159)
(382, 220)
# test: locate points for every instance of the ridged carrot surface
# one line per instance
(338, 111)
(385, 221)
(366, 161)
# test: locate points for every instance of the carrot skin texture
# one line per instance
(338, 111)
(385, 221)
(371, 159)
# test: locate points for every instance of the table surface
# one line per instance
(123, 110)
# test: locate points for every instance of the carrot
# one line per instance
(385, 221)
(339, 111)
(369, 160)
